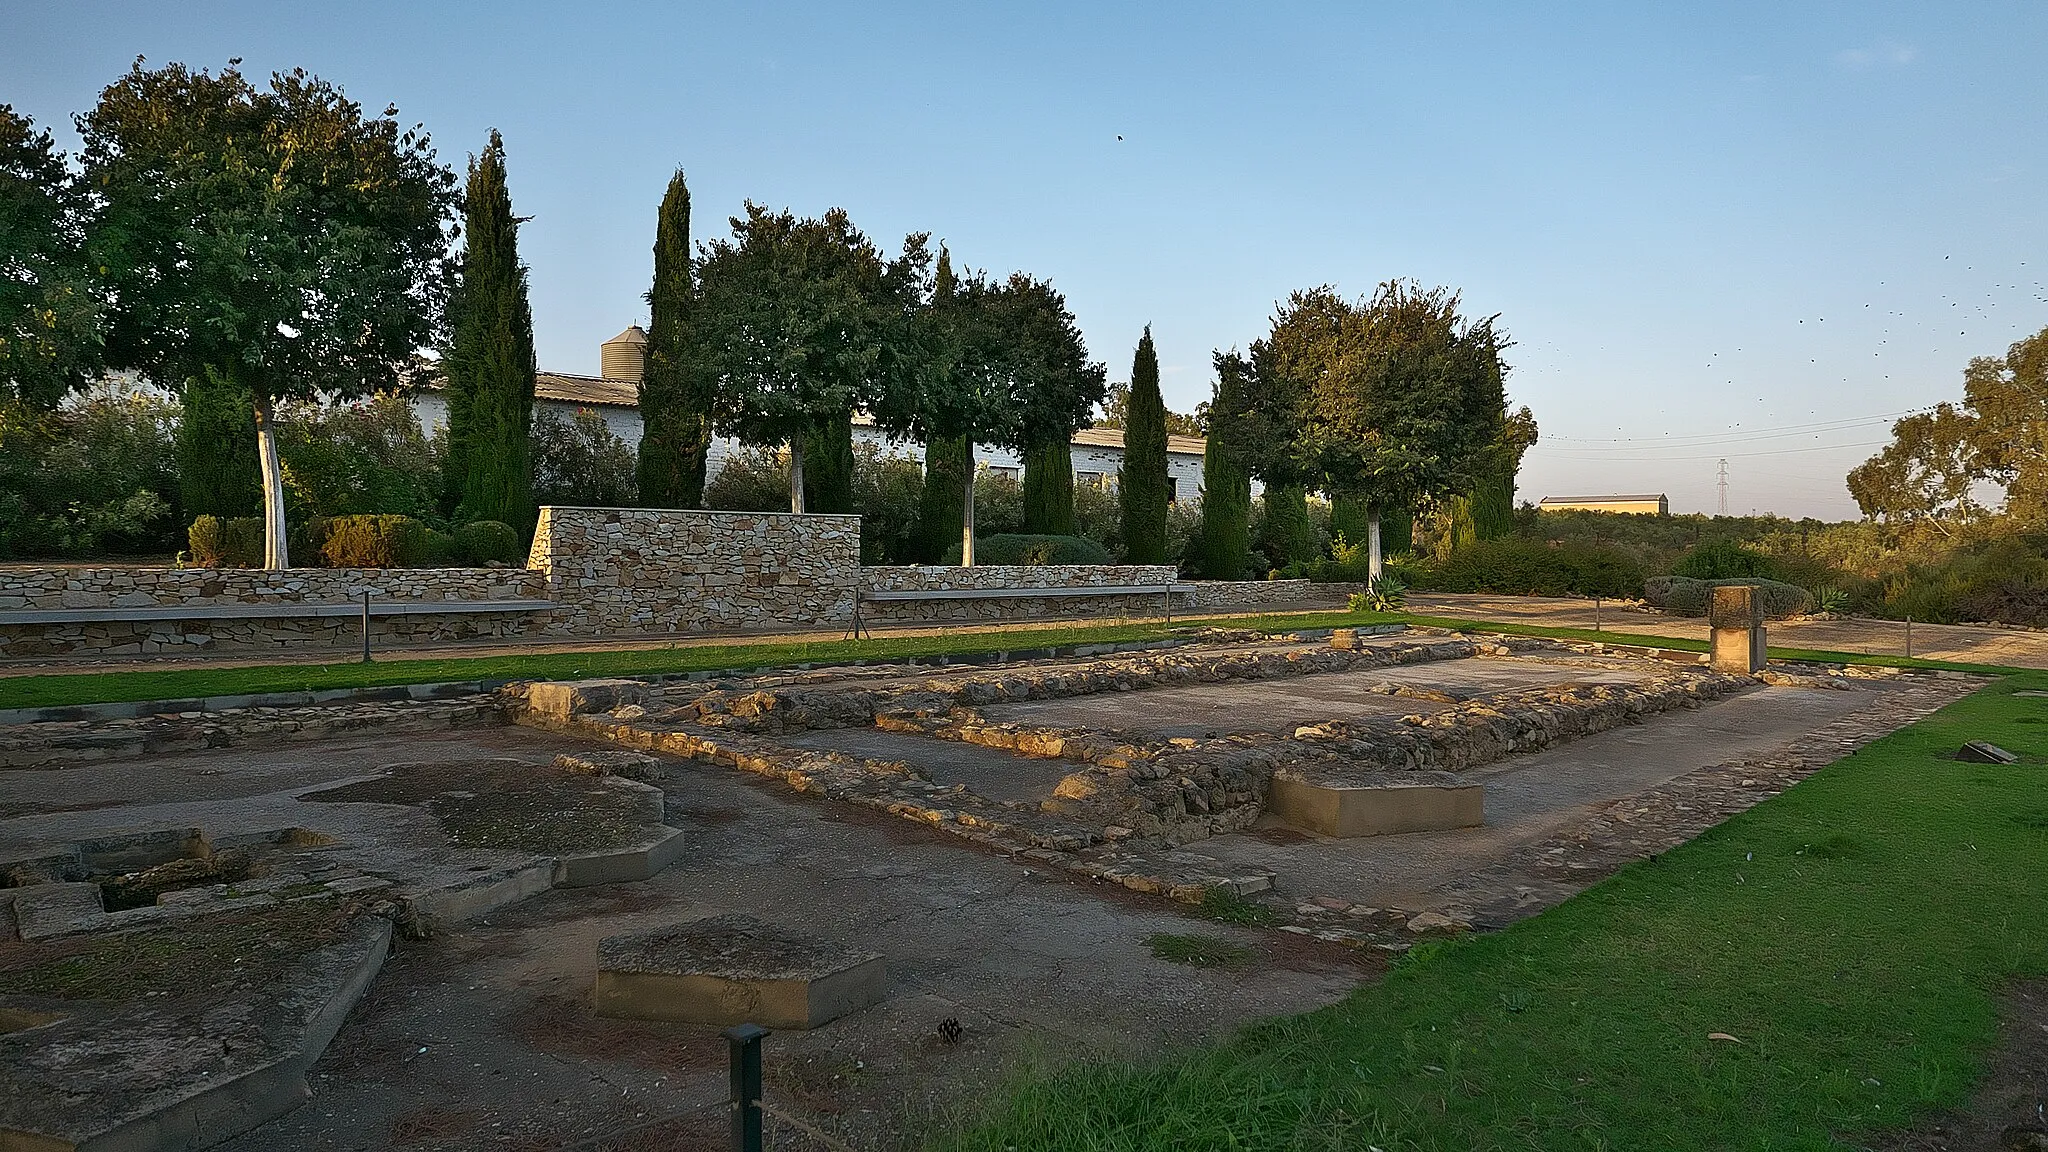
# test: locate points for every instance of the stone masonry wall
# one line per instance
(46, 589)
(1202, 596)
(110, 587)
(614, 571)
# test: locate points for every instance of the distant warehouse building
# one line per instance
(1656, 505)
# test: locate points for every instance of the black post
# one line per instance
(745, 1047)
(366, 625)
(1909, 637)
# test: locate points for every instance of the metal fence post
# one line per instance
(366, 625)
(1909, 637)
(744, 1043)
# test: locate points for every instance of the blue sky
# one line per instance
(1749, 231)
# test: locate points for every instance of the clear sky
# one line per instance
(1751, 231)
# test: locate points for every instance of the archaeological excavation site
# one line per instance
(520, 915)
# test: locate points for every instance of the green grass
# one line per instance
(1851, 933)
(50, 691)
(1197, 951)
(1223, 905)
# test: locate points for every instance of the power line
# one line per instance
(1565, 453)
(1837, 425)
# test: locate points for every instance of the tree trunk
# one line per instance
(967, 515)
(1372, 537)
(275, 556)
(796, 473)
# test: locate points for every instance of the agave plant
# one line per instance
(1830, 601)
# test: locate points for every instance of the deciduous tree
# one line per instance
(49, 311)
(274, 241)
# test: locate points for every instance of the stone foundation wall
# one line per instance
(1223, 595)
(614, 571)
(343, 634)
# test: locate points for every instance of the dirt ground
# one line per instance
(1965, 643)
(482, 1036)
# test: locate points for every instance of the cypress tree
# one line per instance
(675, 407)
(217, 473)
(946, 463)
(490, 361)
(1049, 489)
(828, 464)
(1225, 544)
(1142, 486)
(1288, 536)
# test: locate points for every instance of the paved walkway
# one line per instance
(1967, 643)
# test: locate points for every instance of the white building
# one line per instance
(614, 397)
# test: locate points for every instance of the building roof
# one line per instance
(1114, 438)
(634, 334)
(1650, 498)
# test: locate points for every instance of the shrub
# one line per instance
(1724, 560)
(888, 490)
(1017, 548)
(481, 541)
(218, 543)
(750, 480)
(361, 457)
(1657, 589)
(1517, 567)
(383, 542)
(1691, 597)
(97, 475)
(578, 462)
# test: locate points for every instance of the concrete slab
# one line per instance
(735, 969)
(990, 772)
(1281, 706)
(1343, 811)
(1531, 797)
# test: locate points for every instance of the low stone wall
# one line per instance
(59, 589)
(109, 587)
(1223, 595)
(613, 571)
(1202, 596)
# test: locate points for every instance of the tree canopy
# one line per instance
(49, 311)
(490, 363)
(1941, 462)
(274, 239)
(675, 406)
(794, 317)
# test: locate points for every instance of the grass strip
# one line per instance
(1849, 935)
(48, 691)
(61, 689)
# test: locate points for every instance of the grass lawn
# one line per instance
(1850, 934)
(49, 691)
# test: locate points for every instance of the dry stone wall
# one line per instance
(1197, 597)
(614, 571)
(85, 590)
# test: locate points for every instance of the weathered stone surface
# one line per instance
(734, 969)
(630, 765)
(1379, 809)
(566, 698)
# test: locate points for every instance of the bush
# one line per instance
(1691, 597)
(1517, 567)
(382, 542)
(369, 456)
(887, 492)
(1724, 560)
(481, 541)
(579, 463)
(1657, 589)
(750, 480)
(217, 543)
(95, 476)
(1017, 548)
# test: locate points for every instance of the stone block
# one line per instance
(45, 910)
(734, 969)
(1736, 616)
(1375, 809)
(1985, 752)
(563, 699)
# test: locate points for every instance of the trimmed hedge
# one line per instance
(1020, 548)
(1688, 597)
(481, 542)
(1516, 567)
(232, 543)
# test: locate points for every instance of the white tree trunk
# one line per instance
(796, 474)
(1372, 549)
(275, 553)
(967, 516)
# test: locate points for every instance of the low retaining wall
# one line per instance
(1203, 596)
(56, 590)
(625, 570)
